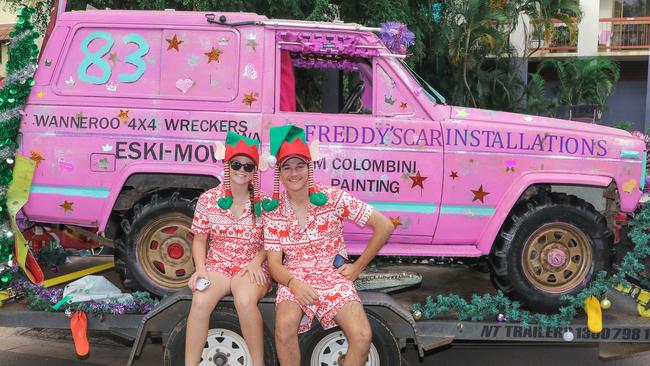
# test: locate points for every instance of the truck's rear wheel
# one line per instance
(225, 344)
(320, 347)
(551, 245)
(158, 243)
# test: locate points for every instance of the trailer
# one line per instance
(395, 332)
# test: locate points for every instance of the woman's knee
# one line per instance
(202, 305)
(244, 301)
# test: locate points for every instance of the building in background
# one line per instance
(7, 22)
(619, 29)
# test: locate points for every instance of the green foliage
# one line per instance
(624, 125)
(588, 80)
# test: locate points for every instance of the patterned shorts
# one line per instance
(334, 291)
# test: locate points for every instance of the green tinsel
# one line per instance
(23, 53)
(488, 306)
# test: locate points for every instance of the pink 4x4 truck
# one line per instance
(128, 104)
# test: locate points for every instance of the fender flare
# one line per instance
(519, 186)
(148, 168)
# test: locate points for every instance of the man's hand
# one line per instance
(303, 292)
(350, 271)
(255, 273)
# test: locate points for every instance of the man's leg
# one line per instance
(354, 322)
(287, 321)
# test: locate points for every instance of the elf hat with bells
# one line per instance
(289, 141)
(239, 145)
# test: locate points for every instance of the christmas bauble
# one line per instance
(605, 304)
(417, 315)
(568, 336)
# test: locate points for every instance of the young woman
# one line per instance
(227, 221)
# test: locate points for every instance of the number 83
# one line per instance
(95, 58)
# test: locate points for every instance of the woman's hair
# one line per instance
(251, 196)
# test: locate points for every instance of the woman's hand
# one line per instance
(199, 273)
(255, 273)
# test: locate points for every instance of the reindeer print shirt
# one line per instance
(315, 245)
(233, 242)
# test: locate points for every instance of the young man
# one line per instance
(306, 223)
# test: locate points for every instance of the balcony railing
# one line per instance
(619, 34)
(560, 40)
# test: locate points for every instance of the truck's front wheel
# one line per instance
(551, 245)
(157, 243)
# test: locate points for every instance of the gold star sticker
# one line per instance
(462, 113)
(214, 54)
(66, 206)
(404, 105)
(396, 221)
(124, 115)
(36, 157)
(40, 94)
(453, 175)
(174, 42)
(479, 194)
(113, 57)
(418, 180)
(249, 98)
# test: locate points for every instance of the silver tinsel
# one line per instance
(8, 115)
(3, 191)
(6, 153)
(19, 37)
(21, 76)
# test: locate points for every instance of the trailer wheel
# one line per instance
(551, 245)
(320, 347)
(158, 243)
(225, 344)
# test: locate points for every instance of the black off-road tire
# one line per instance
(223, 318)
(507, 257)
(383, 341)
(157, 210)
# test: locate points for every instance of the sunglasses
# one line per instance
(248, 167)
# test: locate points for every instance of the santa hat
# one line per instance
(240, 145)
(289, 141)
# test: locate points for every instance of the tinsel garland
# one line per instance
(43, 299)
(22, 63)
(486, 306)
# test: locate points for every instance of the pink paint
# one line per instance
(556, 258)
(115, 120)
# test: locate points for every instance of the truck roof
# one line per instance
(129, 16)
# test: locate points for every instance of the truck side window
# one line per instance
(153, 63)
(325, 84)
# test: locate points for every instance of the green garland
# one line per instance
(23, 54)
(486, 306)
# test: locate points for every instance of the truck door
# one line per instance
(377, 143)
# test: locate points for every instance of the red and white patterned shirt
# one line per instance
(233, 242)
(321, 240)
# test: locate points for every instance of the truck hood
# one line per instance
(475, 114)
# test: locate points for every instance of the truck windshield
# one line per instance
(433, 95)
